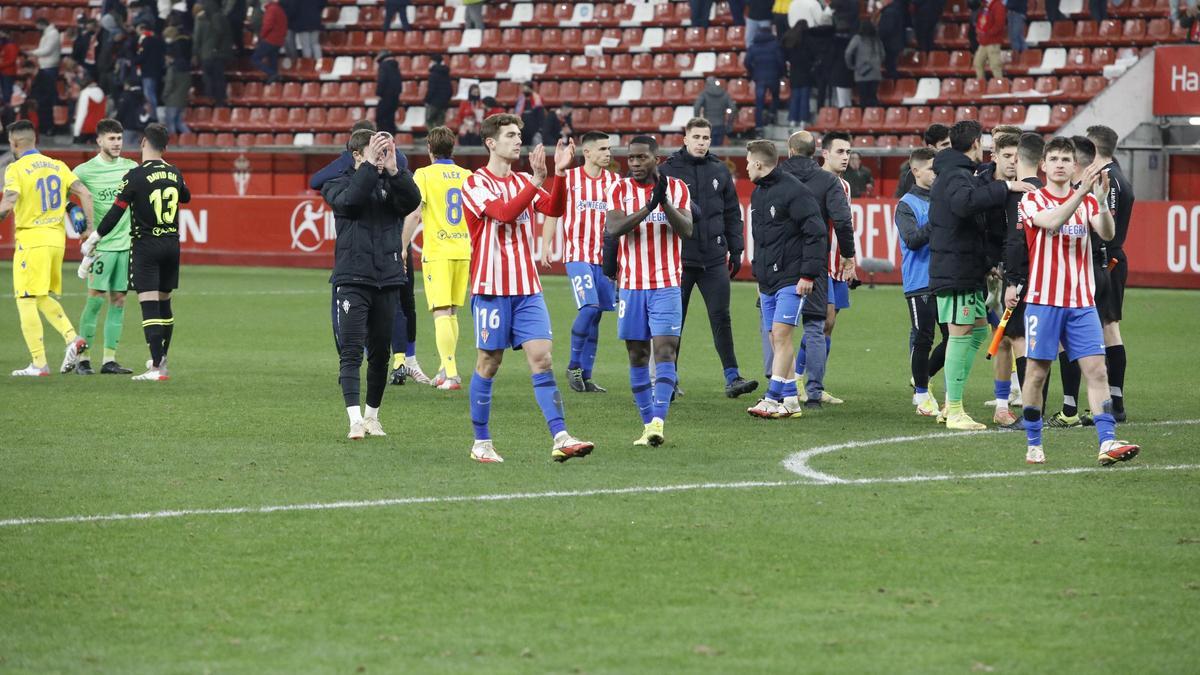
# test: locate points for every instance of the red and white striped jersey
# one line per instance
(651, 251)
(501, 253)
(1060, 262)
(583, 221)
(835, 264)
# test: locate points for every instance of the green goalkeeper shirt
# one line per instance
(103, 179)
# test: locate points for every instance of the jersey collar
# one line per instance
(33, 151)
(443, 161)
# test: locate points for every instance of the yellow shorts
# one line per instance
(446, 282)
(37, 271)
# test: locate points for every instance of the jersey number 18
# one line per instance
(50, 188)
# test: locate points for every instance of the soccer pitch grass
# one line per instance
(1027, 571)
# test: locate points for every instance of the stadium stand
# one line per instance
(638, 67)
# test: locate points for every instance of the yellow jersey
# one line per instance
(41, 184)
(446, 236)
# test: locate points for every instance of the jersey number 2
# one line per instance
(166, 204)
(50, 188)
(454, 209)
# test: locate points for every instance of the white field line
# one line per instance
(793, 463)
(326, 291)
(797, 462)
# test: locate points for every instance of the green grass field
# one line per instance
(746, 566)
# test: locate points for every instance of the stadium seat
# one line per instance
(589, 94)
(952, 89)
(225, 140)
(1158, 30)
(960, 63)
(864, 141)
(850, 119)
(919, 118)
(911, 141)
(1060, 115)
(221, 119)
(740, 91)
(872, 120)
(550, 93)
(277, 118)
(692, 89)
(642, 119)
(1047, 85)
(600, 118)
(1013, 114)
(894, 92)
(672, 92)
(989, 116)
(1079, 60)
(943, 114)
(652, 91)
(973, 90)
(1110, 31)
(663, 116)
(619, 119)
(1022, 86)
(1103, 56)
(745, 120)
(257, 120)
(887, 142)
(897, 119)
(1071, 86)
(966, 112)
(827, 118)
(1134, 31)
(1092, 86)
(997, 87)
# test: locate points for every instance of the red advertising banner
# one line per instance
(1177, 80)
(1163, 245)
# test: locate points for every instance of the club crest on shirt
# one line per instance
(715, 183)
(772, 208)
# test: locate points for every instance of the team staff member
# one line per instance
(36, 189)
(958, 263)
(445, 251)
(790, 246)
(713, 254)
(153, 191)
(369, 204)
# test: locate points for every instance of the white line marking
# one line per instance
(797, 462)
(793, 463)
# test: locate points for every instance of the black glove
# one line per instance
(735, 263)
(608, 261)
(660, 192)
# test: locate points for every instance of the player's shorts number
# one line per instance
(166, 204)
(1031, 322)
(50, 188)
(582, 282)
(98, 267)
(621, 310)
(454, 209)
(489, 319)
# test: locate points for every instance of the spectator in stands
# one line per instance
(737, 11)
(845, 26)
(131, 111)
(937, 138)
(270, 40)
(147, 13)
(235, 14)
(892, 34)
(759, 19)
(179, 79)
(308, 28)
(845, 16)
(990, 29)
(472, 106)
(474, 13)
(801, 57)
(862, 183)
(10, 56)
(558, 125)
(925, 22)
(392, 9)
(468, 133)
(815, 12)
(212, 49)
(1183, 12)
(492, 106)
(779, 17)
(90, 108)
(45, 84)
(83, 50)
(765, 65)
(700, 11)
(864, 56)
(1017, 11)
(715, 105)
(437, 93)
(532, 113)
(388, 87)
(1098, 9)
(291, 9)
(151, 62)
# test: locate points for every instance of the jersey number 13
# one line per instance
(166, 204)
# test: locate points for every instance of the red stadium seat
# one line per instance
(864, 142)
(1110, 31)
(1026, 60)
(1134, 30)
(827, 118)
(1085, 33)
(675, 39)
(572, 40)
(911, 141)
(324, 139)
(1022, 85)
(744, 120)
(543, 15)
(278, 118)
(563, 12)
(225, 140)
(897, 119)
(887, 141)
(989, 116)
(850, 119)
(569, 91)
(973, 90)
(1048, 85)
(297, 119)
(692, 89)
(1063, 32)
(1158, 30)
(589, 93)
(872, 119)
(619, 119)
(740, 90)
(258, 120)
(549, 92)
(997, 87)
(652, 91)
(551, 40)
(581, 118)
(960, 64)
(919, 118)
(1060, 115)
(1093, 85)
(1013, 114)
(642, 119)
(1079, 59)
(221, 119)
(1103, 56)
(1071, 85)
(600, 119)
(663, 116)
(264, 139)
(672, 92)
(966, 112)
(943, 114)
(951, 89)
(315, 119)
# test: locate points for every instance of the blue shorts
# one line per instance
(644, 314)
(839, 294)
(1077, 329)
(503, 321)
(783, 306)
(591, 287)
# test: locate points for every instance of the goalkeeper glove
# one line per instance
(89, 244)
(76, 218)
(85, 267)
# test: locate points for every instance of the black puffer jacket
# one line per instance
(957, 239)
(835, 206)
(369, 209)
(790, 238)
(717, 214)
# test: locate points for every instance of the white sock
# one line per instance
(371, 413)
(354, 413)
(921, 397)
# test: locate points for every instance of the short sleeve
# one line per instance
(1026, 208)
(681, 196)
(11, 184)
(612, 196)
(1091, 207)
(477, 194)
(419, 179)
(68, 177)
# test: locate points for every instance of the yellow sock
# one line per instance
(31, 328)
(954, 407)
(56, 316)
(443, 330)
(397, 360)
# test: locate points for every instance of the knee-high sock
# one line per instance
(979, 336)
(481, 405)
(168, 319)
(545, 390)
(91, 317)
(152, 327)
(443, 336)
(1116, 376)
(1070, 374)
(664, 386)
(643, 396)
(31, 329)
(1033, 425)
(958, 351)
(114, 324)
(581, 329)
(57, 316)
(591, 346)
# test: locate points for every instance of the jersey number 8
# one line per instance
(454, 209)
(166, 204)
